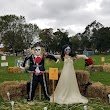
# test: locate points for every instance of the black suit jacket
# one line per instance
(32, 64)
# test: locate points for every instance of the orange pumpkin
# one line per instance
(11, 69)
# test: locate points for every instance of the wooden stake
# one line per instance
(39, 91)
(53, 92)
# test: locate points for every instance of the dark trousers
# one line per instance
(31, 86)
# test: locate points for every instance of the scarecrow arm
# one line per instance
(51, 57)
(57, 56)
(25, 60)
(81, 56)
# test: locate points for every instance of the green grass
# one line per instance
(103, 77)
(78, 65)
(14, 76)
(6, 76)
(94, 104)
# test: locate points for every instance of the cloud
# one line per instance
(105, 5)
(73, 15)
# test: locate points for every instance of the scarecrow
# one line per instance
(36, 67)
(67, 90)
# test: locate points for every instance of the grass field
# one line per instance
(94, 104)
(78, 65)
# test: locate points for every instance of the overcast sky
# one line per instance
(72, 15)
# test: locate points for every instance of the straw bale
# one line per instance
(17, 70)
(96, 90)
(106, 68)
(15, 88)
(82, 76)
(106, 92)
(106, 63)
(18, 89)
(96, 67)
(82, 79)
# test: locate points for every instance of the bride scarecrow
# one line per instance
(37, 69)
(67, 90)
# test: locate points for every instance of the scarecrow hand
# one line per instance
(57, 61)
(22, 68)
(40, 73)
(88, 61)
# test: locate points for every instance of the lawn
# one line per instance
(94, 104)
(78, 65)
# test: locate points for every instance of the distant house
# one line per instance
(88, 52)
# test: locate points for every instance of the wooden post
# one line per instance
(103, 60)
(53, 91)
(39, 91)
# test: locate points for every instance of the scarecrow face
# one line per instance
(38, 51)
(67, 50)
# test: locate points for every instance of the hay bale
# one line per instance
(17, 69)
(18, 89)
(106, 92)
(96, 90)
(15, 88)
(82, 76)
(96, 67)
(106, 68)
(82, 79)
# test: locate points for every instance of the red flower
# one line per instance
(88, 61)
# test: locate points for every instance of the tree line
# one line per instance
(17, 35)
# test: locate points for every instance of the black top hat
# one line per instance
(41, 44)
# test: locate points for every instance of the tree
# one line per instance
(87, 35)
(101, 39)
(60, 39)
(16, 35)
(46, 35)
(31, 34)
(75, 42)
(54, 40)
(9, 28)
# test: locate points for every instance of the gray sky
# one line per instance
(72, 15)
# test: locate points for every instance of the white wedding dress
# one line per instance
(67, 90)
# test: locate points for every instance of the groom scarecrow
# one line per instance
(37, 69)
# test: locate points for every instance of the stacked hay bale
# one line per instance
(17, 69)
(106, 92)
(82, 78)
(18, 90)
(106, 68)
(15, 88)
(96, 90)
(96, 67)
